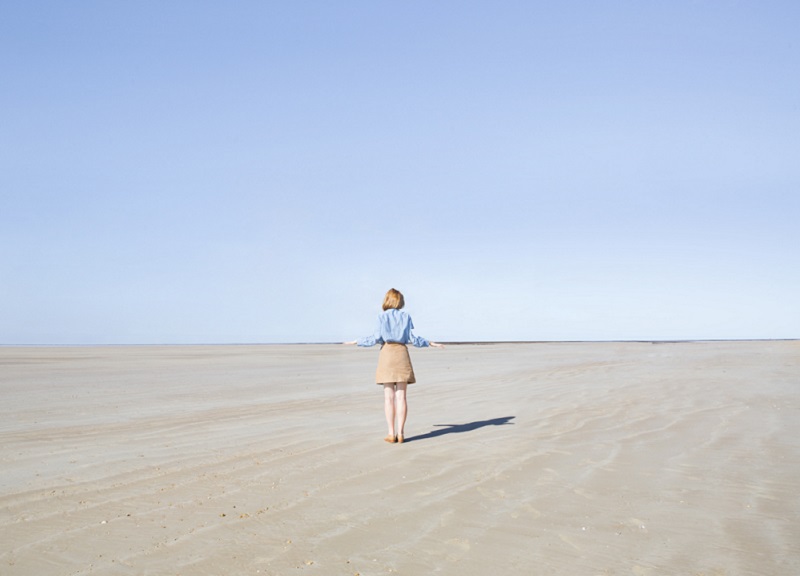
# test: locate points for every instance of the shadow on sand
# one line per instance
(458, 428)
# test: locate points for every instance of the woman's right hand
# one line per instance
(436, 345)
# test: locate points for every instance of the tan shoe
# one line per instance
(390, 439)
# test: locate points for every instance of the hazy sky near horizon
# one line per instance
(216, 172)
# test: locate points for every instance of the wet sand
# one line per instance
(556, 458)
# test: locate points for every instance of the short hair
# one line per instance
(393, 299)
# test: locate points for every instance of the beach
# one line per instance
(567, 459)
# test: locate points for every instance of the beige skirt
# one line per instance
(394, 365)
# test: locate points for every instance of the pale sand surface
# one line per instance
(564, 459)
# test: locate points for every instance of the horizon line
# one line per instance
(447, 343)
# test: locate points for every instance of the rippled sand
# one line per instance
(563, 459)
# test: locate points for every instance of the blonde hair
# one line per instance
(393, 299)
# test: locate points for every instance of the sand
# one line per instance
(558, 458)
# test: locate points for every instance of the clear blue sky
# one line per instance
(213, 172)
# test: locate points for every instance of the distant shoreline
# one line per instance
(454, 343)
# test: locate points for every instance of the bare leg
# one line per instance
(388, 408)
(401, 406)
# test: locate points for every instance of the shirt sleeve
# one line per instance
(417, 341)
(372, 339)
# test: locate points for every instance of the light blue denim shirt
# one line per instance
(393, 326)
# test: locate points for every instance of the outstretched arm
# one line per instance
(421, 342)
(368, 341)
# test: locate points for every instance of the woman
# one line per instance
(394, 372)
